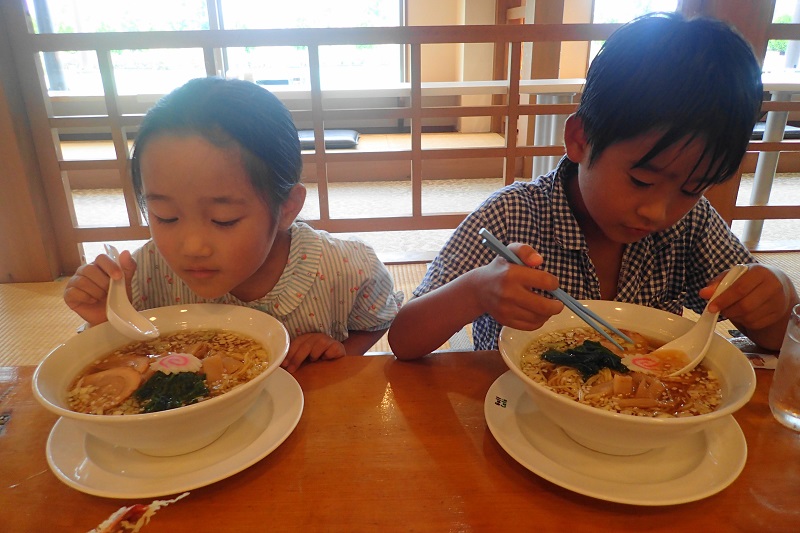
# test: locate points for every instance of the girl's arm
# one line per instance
(87, 290)
(358, 342)
(319, 346)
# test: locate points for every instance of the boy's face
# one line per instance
(205, 216)
(626, 203)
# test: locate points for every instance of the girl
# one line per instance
(216, 169)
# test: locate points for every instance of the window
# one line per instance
(340, 66)
(782, 56)
(608, 11)
(159, 71)
(621, 11)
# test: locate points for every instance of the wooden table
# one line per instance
(385, 445)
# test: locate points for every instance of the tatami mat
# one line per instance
(406, 278)
(788, 262)
(34, 318)
(33, 321)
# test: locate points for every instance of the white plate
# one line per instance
(92, 466)
(694, 468)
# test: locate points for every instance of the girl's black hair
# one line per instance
(688, 79)
(229, 113)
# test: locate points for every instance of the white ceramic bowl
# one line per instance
(175, 431)
(622, 434)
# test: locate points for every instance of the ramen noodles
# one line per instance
(614, 387)
(174, 370)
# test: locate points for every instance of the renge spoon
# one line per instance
(691, 347)
(121, 313)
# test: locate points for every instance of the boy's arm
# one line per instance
(426, 322)
(501, 289)
(759, 304)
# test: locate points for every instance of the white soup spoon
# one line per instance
(691, 347)
(121, 313)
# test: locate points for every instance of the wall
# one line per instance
(575, 55)
(27, 247)
(27, 242)
(440, 62)
(476, 63)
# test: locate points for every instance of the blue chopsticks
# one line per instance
(585, 314)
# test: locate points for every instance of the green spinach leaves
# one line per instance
(588, 358)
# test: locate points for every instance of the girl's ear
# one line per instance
(575, 140)
(292, 206)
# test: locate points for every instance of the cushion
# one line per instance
(333, 139)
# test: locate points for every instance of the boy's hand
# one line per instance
(501, 289)
(760, 300)
(505, 290)
(311, 346)
(86, 291)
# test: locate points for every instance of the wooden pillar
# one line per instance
(752, 19)
(547, 55)
(501, 58)
(27, 239)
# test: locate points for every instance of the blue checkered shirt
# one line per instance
(664, 270)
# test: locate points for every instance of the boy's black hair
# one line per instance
(229, 114)
(689, 79)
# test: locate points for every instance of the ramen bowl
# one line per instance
(174, 431)
(619, 433)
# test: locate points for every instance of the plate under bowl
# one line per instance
(622, 434)
(175, 431)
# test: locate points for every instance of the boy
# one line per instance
(667, 111)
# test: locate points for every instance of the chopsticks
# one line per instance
(585, 314)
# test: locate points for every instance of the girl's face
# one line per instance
(627, 203)
(207, 219)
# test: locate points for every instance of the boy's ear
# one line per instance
(575, 139)
(292, 206)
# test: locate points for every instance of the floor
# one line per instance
(34, 319)
(104, 207)
(97, 207)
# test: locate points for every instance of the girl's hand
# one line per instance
(87, 290)
(311, 346)
(758, 303)
(505, 290)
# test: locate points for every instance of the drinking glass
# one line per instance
(784, 395)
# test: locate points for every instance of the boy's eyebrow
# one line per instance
(650, 167)
(691, 184)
